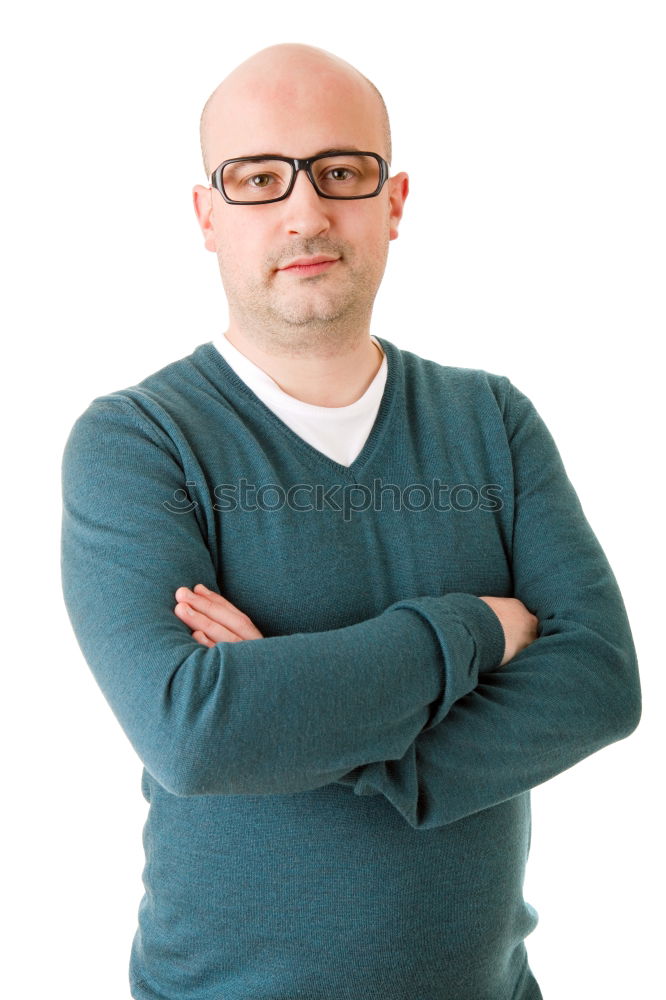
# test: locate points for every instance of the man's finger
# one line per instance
(202, 638)
(219, 610)
(216, 598)
(200, 622)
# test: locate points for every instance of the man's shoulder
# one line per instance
(174, 377)
(427, 376)
(152, 409)
(161, 391)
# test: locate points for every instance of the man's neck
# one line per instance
(330, 380)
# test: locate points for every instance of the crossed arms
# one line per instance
(410, 704)
(212, 619)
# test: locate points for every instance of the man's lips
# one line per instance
(309, 265)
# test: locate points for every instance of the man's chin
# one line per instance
(308, 314)
(310, 320)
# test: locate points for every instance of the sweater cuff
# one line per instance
(485, 628)
(471, 640)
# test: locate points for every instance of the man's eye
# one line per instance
(339, 173)
(259, 180)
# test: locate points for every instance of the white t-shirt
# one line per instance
(338, 431)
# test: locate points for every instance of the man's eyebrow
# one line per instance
(321, 152)
(338, 149)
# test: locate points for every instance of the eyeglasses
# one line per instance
(337, 174)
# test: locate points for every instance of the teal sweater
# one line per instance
(340, 810)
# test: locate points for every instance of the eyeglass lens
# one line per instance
(347, 176)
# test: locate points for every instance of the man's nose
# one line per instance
(305, 211)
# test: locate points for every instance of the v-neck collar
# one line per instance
(384, 411)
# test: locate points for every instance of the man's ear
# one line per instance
(398, 191)
(203, 208)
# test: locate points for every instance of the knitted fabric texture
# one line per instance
(340, 810)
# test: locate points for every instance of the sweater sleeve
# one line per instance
(272, 715)
(574, 690)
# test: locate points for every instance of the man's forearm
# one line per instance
(295, 712)
(564, 697)
(279, 714)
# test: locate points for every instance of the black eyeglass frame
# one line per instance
(296, 165)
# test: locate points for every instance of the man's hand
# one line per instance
(520, 626)
(212, 618)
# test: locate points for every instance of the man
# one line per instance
(392, 618)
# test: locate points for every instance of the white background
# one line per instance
(532, 245)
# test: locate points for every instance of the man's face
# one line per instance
(254, 243)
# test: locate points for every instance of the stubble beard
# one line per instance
(291, 316)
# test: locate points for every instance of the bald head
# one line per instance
(281, 75)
